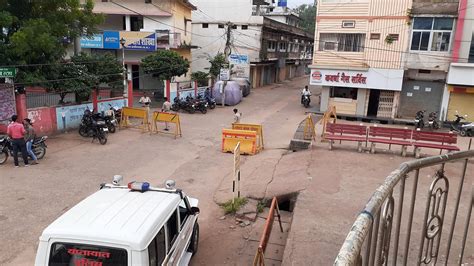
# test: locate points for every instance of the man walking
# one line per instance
(166, 108)
(16, 131)
(237, 116)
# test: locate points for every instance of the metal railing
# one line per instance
(431, 228)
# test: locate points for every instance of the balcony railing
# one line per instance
(428, 226)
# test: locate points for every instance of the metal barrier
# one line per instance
(247, 139)
(371, 240)
(252, 127)
(140, 113)
(164, 117)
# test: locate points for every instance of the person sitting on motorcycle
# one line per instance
(207, 94)
(305, 92)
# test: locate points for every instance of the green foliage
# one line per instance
(201, 78)
(38, 32)
(233, 208)
(308, 14)
(165, 64)
(261, 205)
(102, 68)
(217, 62)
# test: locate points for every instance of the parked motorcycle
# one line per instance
(6, 148)
(115, 113)
(433, 121)
(92, 126)
(186, 105)
(419, 119)
(201, 104)
(463, 129)
(306, 100)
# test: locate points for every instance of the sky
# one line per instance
(295, 3)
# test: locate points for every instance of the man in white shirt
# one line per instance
(305, 92)
(237, 116)
(166, 108)
(145, 100)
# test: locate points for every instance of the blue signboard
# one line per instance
(94, 41)
(238, 59)
(111, 40)
(282, 3)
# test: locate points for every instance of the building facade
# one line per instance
(358, 55)
(269, 37)
(146, 26)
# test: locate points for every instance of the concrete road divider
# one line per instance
(252, 127)
(247, 139)
(164, 117)
(140, 113)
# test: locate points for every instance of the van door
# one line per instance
(180, 242)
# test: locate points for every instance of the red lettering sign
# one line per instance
(342, 77)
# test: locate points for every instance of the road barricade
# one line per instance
(167, 118)
(252, 127)
(247, 139)
(140, 113)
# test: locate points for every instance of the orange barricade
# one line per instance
(247, 139)
(252, 127)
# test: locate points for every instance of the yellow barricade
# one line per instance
(309, 131)
(252, 127)
(247, 139)
(166, 118)
(129, 112)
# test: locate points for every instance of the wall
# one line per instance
(44, 120)
(68, 117)
(468, 30)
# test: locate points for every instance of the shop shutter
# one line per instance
(463, 103)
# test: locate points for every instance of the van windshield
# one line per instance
(69, 254)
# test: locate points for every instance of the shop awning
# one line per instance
(120, 7)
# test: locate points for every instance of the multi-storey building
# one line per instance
(459, 93)
(145, 26)
(264, 36)
(358, 55)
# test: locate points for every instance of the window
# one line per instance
(183, 213)
(431, 34)
(471, 51)
(205, 25)
(221, 26)
(157, 249)
(375, 36)
(342, 92)
(245, 27)
(271, 46)
(234, 27)
(172, 226)
(136, 23)
(341, 42)
(348, 24)
(63, 254)
(424, 71)
(393, 37)
(147, 1)
(283, 46)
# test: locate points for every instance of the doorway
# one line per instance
(136, 77)
(373, 103)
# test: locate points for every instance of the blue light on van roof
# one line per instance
(139, 186)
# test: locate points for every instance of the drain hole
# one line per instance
(286, 202)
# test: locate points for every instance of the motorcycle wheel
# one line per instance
(40, 152)
(203, 110)
(111, 128)
(191, 110)
(3, 156)
(469, 133)
(175, 107)
(306, 104)
(102, 139)
(212, 105)
(463, 133)
(83, 131)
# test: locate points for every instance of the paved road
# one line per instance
(73, 168)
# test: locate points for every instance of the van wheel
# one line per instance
(193, 246)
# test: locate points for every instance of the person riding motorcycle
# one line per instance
(305, 92)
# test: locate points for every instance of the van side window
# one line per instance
(183, 214)
(172, 225)
(157, 249)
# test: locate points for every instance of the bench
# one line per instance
(386, 135)
(434, 140)
(346, 132)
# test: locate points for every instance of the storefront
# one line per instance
(459, 95)
(373, 92)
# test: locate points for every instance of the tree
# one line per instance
(102, 68)
(308, 15)
(165, 64)
(201, 78)
(217, 62)
(38, 32)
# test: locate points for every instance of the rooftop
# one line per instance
(115, 215)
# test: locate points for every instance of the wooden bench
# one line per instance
(387, 135)
(346, 132)
(434, 140)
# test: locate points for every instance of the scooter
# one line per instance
(39, 148)
(463, 129)
(432, 121)
(306, 100)
(419, 119)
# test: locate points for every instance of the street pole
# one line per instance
(124, 69)
(227, 51)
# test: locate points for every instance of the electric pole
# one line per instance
(227, 51)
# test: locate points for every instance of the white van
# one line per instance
(124, 225)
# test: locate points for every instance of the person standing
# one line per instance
(237, 116)
(29, 138)
(146, 101)
(16, 131)
(166, 108)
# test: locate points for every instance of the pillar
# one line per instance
(130, 93)
(21, 109)
(94, 100)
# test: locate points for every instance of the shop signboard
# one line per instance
(373, 78)
(7, 72)
(240, 65)
(224, 74)
(94, 41)
(111, 40)
(138, 40)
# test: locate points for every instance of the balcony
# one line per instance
(166, 39)
(420, 215)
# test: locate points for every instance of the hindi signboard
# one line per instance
(7, 72)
